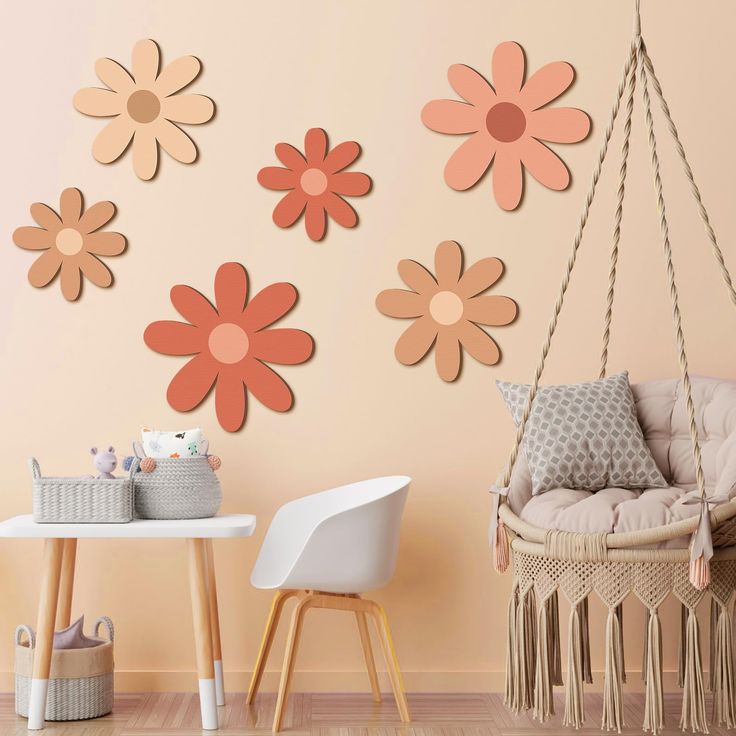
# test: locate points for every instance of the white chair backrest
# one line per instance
(344, 540)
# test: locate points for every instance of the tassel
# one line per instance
(693, 696)
(722, 665)
(525, 655)
(613, 693)
(501, 549)
(681, 647)
(620, 616)
(510, 694)
(543, 700)
(574, 704)
(653, 702)
(701, 550)
(587, 673)
(712, 644)
(555, 648)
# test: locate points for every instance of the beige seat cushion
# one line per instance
(663, 417)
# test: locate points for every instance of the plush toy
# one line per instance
(105, 462)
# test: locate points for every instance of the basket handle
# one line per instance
(28, 631)
(35, 468)
(108, 623)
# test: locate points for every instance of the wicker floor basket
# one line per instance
(82, 500)
(180, 488)
(80, 682)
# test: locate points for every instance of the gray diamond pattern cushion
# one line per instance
(584, 436)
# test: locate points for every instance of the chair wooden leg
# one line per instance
(52, 558)
(277, 606)
(292, 646)
(66, 588)
(202, 633)
(392, 663)
(365, 640)
(215, 623)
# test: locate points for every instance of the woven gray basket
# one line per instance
(178, 488)
(82, 500)
(81, 683)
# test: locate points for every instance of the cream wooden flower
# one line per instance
(145, 108)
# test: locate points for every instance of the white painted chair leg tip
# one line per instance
(219, 682)
(208, 704)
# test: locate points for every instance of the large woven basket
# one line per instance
(80, 682)
(179, 488)
(82, 500)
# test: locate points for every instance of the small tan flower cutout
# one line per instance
(447, 310)
(145, 108)
(71, 243)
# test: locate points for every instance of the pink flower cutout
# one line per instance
(507, 121)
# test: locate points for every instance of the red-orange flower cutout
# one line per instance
(507, 121)
(317, 183)
(231, 346)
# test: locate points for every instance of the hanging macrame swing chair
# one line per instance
(651, 563)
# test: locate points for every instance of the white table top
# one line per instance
(218, 527)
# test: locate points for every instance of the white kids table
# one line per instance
(57, 584)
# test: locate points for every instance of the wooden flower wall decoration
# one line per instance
(145, 108)
(316, 182)
(447, 309)
(70, 243)
(507, 121)
(231, 345)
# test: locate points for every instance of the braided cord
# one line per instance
(617, 219)
(570, 265)
(664, 228)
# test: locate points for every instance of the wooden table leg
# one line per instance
(66, 589)
(215, 623)
(202, 633)
(52, 557)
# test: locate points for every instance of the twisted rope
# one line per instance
(570, 265)
(617, 219)
(664, 229)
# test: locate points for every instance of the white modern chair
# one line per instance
(325, 550)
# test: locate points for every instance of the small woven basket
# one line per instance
(82, 500)
(80, 682)
(178, 488)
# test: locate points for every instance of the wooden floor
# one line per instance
(334, 715)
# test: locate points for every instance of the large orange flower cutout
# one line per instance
(507, 122)
(145, 108)
(71, 243)
(231, 345)
(317, 182)
(447, 309)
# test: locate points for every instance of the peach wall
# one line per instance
(79, 374)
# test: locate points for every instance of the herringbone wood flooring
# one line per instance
(322, 714)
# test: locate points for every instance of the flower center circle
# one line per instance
(69, 241)
(446, 307)
(143, 106)
(228, 343)
(313, 182)
(506, 122)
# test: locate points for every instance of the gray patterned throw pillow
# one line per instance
(584, 436)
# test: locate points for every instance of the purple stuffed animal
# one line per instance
(105, 462)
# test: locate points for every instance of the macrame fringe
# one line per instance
(510, 695)
(501, 548)
(693, 695)
(587, 672)
(613, 692)
(722, 670)
(526, 644)
(543, 693)
(620, 616)
(681, 647)
(653, 695)
(574, 703)
(555, 646)
(712, 644)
